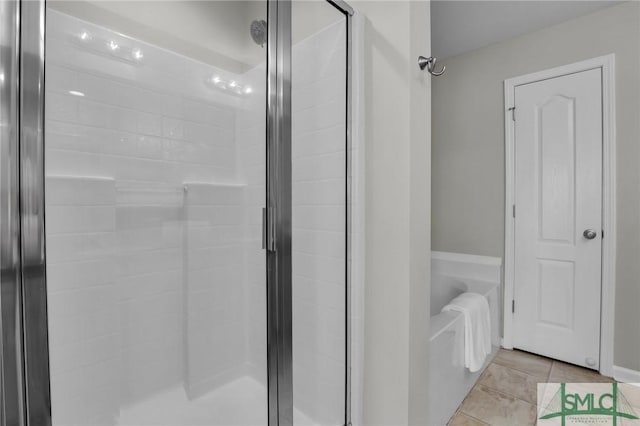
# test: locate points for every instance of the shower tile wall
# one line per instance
(83, 299)
(215, 318)
(149, 267)
(319, 170)
(152, 287)
(147, 282)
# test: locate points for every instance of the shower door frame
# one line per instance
(278, 230)
(25, 396)
(278, 223)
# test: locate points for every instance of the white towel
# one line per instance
(477, 328)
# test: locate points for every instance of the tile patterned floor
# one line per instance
(505, 394)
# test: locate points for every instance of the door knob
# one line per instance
(589, 234)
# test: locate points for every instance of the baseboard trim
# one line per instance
(626, 375)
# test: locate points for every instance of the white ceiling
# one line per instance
(461, 26)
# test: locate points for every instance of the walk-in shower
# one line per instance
(175, 212)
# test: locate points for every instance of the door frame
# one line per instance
(607, 303)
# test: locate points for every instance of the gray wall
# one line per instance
(468, 145)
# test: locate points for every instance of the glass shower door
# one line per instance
(155, 183)
(320, 158)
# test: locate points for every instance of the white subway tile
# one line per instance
(82, 246)
(62, 107)
(146, 262)
(172, 128)
(79, 191)
(322, 192)
(79, 274)
(80, 218)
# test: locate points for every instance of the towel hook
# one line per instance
(430, 64)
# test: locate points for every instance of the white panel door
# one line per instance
(558, 195)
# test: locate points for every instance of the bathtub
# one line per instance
(449, 380)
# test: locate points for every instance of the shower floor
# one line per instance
(241, 402)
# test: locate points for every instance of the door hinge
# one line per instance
(513, 113)
(603, 234)
(268, 240)
(513, 306)
(513, 211)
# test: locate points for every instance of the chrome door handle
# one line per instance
(589, 234)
